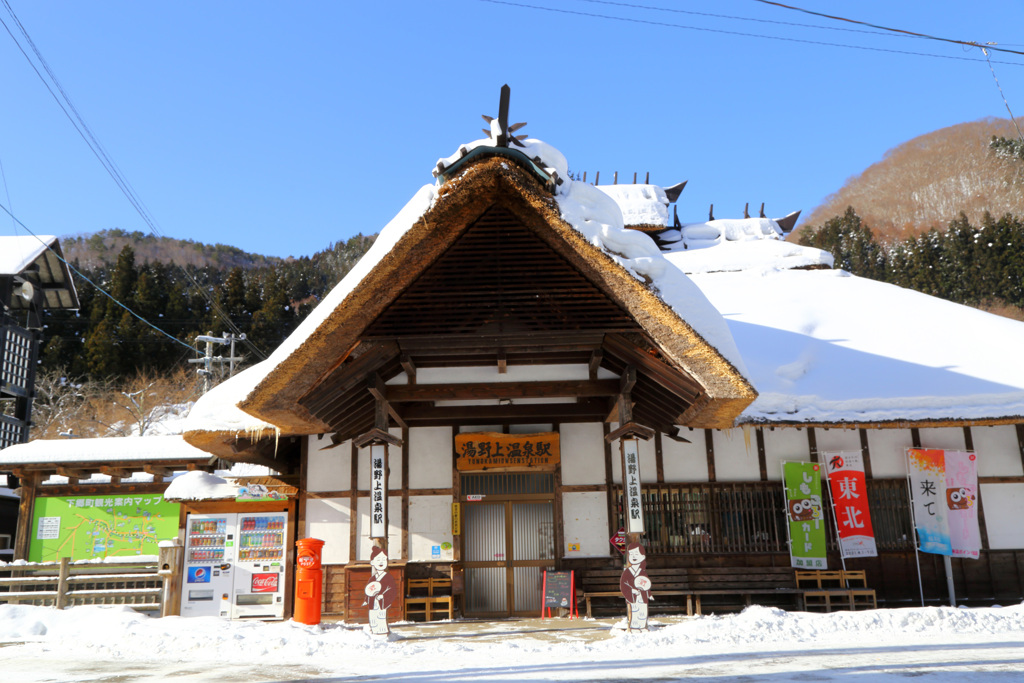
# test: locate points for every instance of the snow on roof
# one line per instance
(19, 251)
(588, 209)
(827, 346)
(200, 486)
(639, 204)
(739, 244)
(217, 411)
(129, 448)
(597, 217)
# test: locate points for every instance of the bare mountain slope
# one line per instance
(926, 182)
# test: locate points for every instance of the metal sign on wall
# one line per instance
(494, 452)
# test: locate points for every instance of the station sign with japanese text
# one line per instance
(477, 451)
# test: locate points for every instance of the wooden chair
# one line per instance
(860, 594)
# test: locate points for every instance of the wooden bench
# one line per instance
(423, 601)
(836, 588)
(695, 583)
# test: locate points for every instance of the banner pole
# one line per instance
(835, 519)
(913, 521)
(948, 564)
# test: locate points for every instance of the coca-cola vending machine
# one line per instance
(260, 574)
(235, 565)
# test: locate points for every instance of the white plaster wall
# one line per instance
(489, 373)
(685, 461)
(394, 465)
(328, 519)
(530, 429)
(888, 452)
(648, 460)
(363, 542)
(430, 526)
(430, 457)
(1004, 509)
(479, 428)
(736, 455)
(949, 438)
(998, 451)
(838, 440)
(582, 445)
(784, 445)
(585, 520)
(328, 470)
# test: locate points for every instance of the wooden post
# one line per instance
(62, 582)
(169, 569)
(27, 493)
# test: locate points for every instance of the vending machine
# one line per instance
(207, 580)
(235, 565)
(259, 574)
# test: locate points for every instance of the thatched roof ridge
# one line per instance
(459, 202)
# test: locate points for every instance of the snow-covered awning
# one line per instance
(83, 457)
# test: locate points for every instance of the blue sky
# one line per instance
(282, 127)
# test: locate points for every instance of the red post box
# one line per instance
(309, 580)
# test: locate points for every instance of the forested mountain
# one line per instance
(264, 298)
(930, 180)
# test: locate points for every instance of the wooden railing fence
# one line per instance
(143, 585)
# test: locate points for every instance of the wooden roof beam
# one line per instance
(499, 390)
(73, 473)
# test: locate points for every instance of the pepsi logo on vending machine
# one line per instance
(264, 583)
(198, 575)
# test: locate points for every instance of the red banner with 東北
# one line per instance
(848, 487)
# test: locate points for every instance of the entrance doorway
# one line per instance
(508, 540)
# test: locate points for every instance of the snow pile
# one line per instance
(518, 653)
(639, 204)
(198, 485)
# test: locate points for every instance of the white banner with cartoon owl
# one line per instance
(962, 503)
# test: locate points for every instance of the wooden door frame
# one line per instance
(509, 562)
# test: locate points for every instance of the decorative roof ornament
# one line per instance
(500, 131)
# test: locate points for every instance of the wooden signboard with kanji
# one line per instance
(494, 452)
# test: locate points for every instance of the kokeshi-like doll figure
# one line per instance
(636, 586)
(380, 591)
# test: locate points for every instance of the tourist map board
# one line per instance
(97, 527)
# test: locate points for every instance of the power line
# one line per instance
(743, 34)
(115, 173)
(729, 16)
(105, 292)
(968, 43)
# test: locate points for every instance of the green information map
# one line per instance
(96, 527)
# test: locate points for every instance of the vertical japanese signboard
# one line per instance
(848, 487)
(802, 485)
(378, 491)
(927, 469)
(944, 489)
(633, 510)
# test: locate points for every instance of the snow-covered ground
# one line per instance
(759, 645)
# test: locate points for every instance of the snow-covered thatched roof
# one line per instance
(580, 221)
(732, 302)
